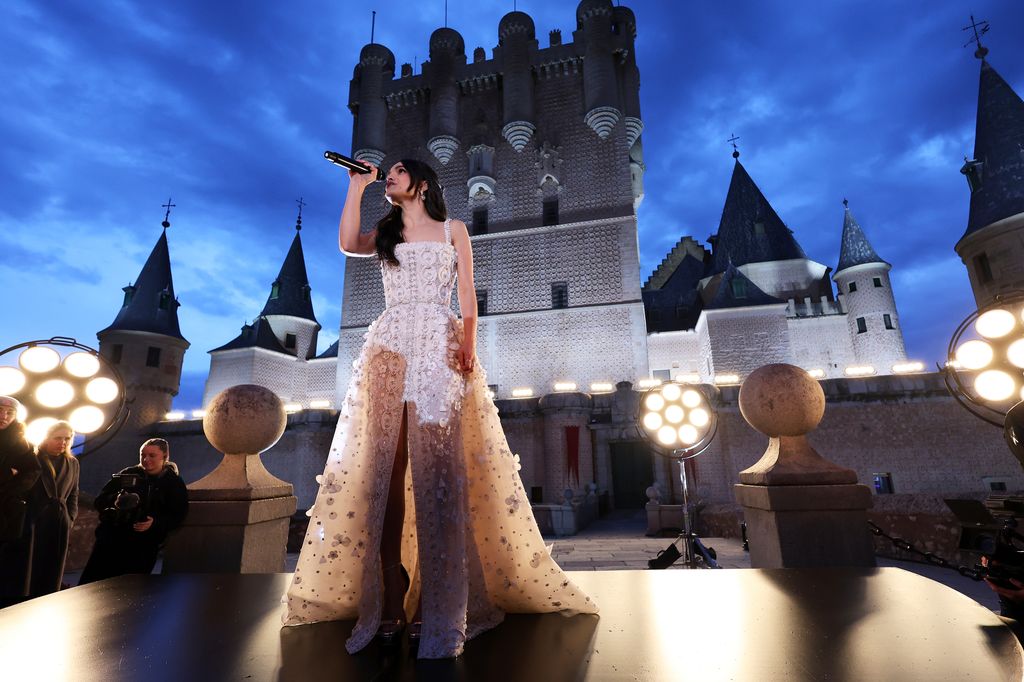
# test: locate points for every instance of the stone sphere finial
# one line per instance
(782, 400)
(244, 420)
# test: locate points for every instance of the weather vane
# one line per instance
(167, 223)
(980, 28)
(298, 221)
(735, 149)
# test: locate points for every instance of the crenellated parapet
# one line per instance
(366, 101)
(516, 46)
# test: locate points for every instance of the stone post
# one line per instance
(801, 509)
(239, 513)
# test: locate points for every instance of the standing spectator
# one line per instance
(19, 470)
(52, 508)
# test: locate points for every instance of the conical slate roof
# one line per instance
(855, 249)
(750, 231)
(331, 352)
(255, 335)
(150, 305)
(290, 292)
(999, 146)
(737, 291)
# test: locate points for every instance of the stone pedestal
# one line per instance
(239, 513)
(801, 509)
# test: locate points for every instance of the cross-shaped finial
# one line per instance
(298, 221)
(846, 204)
(167, 223)
(735, 149)
(980, 28)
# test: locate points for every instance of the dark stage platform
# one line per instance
(800, 624)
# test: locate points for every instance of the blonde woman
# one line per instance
(52, 508)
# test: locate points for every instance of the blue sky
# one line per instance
(110, 108)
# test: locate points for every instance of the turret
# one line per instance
(600, 89)
(447, 51)
(516, 44)
(376, 67)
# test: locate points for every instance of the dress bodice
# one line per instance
(425, 273)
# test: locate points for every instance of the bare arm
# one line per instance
(467, 292)
(351, 241)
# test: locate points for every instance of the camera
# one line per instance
(993, 538)
(131, 504)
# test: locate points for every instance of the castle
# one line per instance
(547, 144)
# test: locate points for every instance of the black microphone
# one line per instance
(351, 164)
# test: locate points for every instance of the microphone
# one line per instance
(351, 164)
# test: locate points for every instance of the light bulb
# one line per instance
(674, 414)
(35, 431)
(654, 402)
(699, 417)
(39, 359)
(653, 421)
(691, 398)
(101, 390)
(671, 392)
(12, 380)
(86, 419)
(688, 434)
(995, 324)
(667, 435)
(81, 364)
(55, 393)
(995, 385)
(22, 413)
(1015, 353)
(974, 354)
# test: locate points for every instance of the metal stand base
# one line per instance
(695, 553)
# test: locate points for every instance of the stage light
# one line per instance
(653, 421)
(55, 393)
(174, 416)
(601, 387)
(689, 378)
(674, 414)
(1015, 353)
(907, 367)
(564, 386)
(816, 373)
(654, 402)
(995, 385)
(320, 404)
(995, 323)
(522, 392)
(974, 354)
(699, 417)
(726, 379)
(102, 390)
(35, 430)
(692, 398)
(648, 383)
(667, 436)
(39, 359)
(688, 434)
(292, 408)
(11, 380)
(860, 371)
(82, 365)
(86, 419)
(198, 414)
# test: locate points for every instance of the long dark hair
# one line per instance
(389, 228)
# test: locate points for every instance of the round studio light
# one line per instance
(688, 434)
(654, 402)
(995, 324)
(653, 421)
(101, 390)
(35, 430)
(691, 398)
(86, 419)
(671, 392)
(22, 413)
(81, 364)
(38, 359)
(1015, 353)
(974, 354)
(674, 414)
(667, 435)
(12, 380)
(699, 417)
(55, 393)
(995, 385)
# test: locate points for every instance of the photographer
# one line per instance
(138, 508)
(19, 470)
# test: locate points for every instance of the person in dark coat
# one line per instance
(131, 532)
(19, 470)
(52, 508)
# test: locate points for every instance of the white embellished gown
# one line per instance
(470, 542)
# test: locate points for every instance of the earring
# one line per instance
(423, 195)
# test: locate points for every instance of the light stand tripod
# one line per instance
(695, 553)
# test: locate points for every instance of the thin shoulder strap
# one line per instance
(448, 231)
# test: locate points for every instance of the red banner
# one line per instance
(572, 453)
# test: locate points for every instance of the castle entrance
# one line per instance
(632, 473)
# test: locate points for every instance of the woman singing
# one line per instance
(421, 511)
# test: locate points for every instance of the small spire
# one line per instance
(167, 223)
(846, 204)
(298, 220)
(446, 13)
(735, 149)
(980, 28)
(373, 24)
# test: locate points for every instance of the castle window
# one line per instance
(550, 216)
(305, 292)
(982, 269)
(862, 325)
(878, 282)
(883, 483)
(275, 289)
(165, 299)
(739, 288)
(853, 287)
(115, 353)
(129, 292)
(559, 295)
(759, 228)
(481, 302)
(887, 318)
(480, 220)
(289, 341)
(153, 357)
(972, 171)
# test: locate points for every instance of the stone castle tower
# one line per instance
(992, 247)
(539, 152)
(145, 343)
